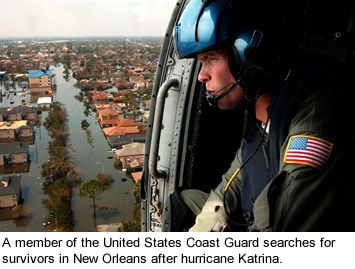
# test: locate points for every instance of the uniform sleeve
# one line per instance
(306, 191)
(213, 216)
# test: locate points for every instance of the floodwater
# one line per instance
(115, 205)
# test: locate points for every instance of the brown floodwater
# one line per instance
(114, 205)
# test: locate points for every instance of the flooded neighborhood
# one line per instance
(72, 132)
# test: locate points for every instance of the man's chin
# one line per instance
(223, 106)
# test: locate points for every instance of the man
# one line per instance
(290, 171)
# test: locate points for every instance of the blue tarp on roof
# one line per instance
(39, 72)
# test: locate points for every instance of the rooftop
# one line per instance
(44, 100)
(108, 111)
(137, 176)
(119, 140)
(10, 185)
(116, 130)
(14, 147)
(22, 109)
(4, 125)
(131, 149)
(99, 95)
(36, 73)
(127, 123)
(112, 227)
(3, 110)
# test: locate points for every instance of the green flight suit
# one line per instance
(301, 197)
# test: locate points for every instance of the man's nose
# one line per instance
(204, 76)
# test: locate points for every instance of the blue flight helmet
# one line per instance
(198, 28)
(231, 24)
(207, 24)
(263, 34)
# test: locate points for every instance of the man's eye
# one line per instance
(211, 59)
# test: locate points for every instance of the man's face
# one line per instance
(216, 75)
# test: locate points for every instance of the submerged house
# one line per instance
(13, 153)
(3, 112)
(10, 190)
(131, 155)
(15, 130)
(21, 113)
(117, 141)
(40, 80)
(44, 103)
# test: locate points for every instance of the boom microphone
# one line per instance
(213, 98)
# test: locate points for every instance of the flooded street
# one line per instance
(115, 205)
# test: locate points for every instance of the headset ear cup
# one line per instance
(251, 55)
(255, 81)
(250, 72)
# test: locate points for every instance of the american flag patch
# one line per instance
(308, 150)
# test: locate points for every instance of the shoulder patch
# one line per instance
(308, 150)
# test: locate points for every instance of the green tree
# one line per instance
(143, 128)
(84, 124)
(80, 96)
(66, 73)
(56, 59)
(141, 91)
(105, 179)
(59, 204)
(129, 171)
(89, 137)
(130, 101)
(136, 191)
(87, 112)
(91, 189)
(59, 171)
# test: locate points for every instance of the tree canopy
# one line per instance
(91, 189)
